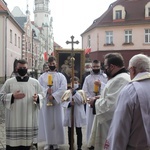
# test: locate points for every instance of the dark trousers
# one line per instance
(79, 136)
(20, 147)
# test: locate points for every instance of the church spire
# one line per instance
(27, 11)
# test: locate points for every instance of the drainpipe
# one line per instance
(6, 47)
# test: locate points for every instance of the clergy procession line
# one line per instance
(111, 104)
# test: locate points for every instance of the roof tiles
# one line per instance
(135, 14)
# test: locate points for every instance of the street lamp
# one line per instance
(33, 35)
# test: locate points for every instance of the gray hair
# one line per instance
(141, 62)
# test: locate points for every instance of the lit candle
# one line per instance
(49, 79)
(96, 88)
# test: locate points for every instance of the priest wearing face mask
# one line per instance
(105, 105)
(23, 98)
(51, 117)
(96, 78)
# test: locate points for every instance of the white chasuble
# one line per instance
(105, 107)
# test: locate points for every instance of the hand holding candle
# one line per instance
(49, 103)
(96, 88)
(97, 84)
(49, 79)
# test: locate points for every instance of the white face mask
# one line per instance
(88, 69)
(76, 86)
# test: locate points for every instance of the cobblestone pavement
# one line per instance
(41, 144)
(65, 146)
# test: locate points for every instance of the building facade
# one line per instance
(10, 41)
(43, 19)
(22, 38)
(38, 37)
(124, 28)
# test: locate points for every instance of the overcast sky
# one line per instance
(70, 17)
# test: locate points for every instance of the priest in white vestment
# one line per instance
(105, 105)
(51, 118)
(98, 77)
(130, 127)
(23, 99)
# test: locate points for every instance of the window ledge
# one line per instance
(109, 44)
(128, 43)
(147, 18)
(146, 43)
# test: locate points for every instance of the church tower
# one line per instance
(41, 13)
(43, 20)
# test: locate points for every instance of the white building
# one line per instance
(34, 47)
(10, 41)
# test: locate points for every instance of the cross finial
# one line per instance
(72, 42)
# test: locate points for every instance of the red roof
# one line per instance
(57, 45)
(4, 9)
(3, 6)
